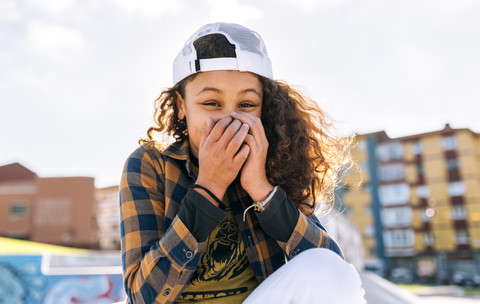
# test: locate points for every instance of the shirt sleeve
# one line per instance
(280, 217)
(305, 232)
(157, 262)
(200, 216)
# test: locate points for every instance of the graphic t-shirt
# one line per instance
(224, 274)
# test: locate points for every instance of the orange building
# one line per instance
(58, 210)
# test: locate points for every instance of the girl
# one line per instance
(210, 217)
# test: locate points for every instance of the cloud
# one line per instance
(9, 11)
(5, 59)
(421, 67)
(309, 5)
(55, 41)
(232, 11)
(150, 8)
(53, 7)
(456, 6)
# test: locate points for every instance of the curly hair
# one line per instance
(304, 156)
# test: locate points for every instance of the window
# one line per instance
(54, 211)
(419, 169)
(399, 238)
(417, 148)
(423, 192)
(458, 213)
(394, 194)
(456, 189)
(461, 237)
(392, 217)
(392, 172)
(427, 239)
(452, 164)
(449, 142)
(369, 231)
(390, 151)
(18, 210)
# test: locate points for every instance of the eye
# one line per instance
(247, 105)
(211, 103)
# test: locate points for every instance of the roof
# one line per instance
(447, 130)
(16, 172)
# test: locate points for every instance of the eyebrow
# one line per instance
(216, 90)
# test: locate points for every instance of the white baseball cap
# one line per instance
(249, 47)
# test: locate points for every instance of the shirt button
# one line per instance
(166, 292)
(293, 254)
(189, 254)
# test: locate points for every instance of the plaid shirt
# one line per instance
(159, 254)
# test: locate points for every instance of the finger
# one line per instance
(219, 128)
(242, 155)
(206, 131)
(230, 132)
(238, 139)
(255, 124)
(250, 141)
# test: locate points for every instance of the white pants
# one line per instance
(314, 276)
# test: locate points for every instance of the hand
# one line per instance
(253, 176)
(221, 154)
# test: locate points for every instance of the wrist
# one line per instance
(216, 190)
(262, 204)
(260, 192)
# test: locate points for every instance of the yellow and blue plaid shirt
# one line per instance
(160, 254)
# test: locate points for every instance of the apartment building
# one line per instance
(55, 210)
(416, 201)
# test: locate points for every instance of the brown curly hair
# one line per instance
(304, 157)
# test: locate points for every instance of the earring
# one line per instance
(181, 127)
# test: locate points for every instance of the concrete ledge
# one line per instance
(399, 294)
(449, 290)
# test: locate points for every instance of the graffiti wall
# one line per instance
(23, 281)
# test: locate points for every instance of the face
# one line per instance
(216, 94)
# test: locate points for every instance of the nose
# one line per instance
(226, 111)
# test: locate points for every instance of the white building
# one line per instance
(108, 218)
(346, 235)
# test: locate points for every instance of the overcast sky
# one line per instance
(78, 77)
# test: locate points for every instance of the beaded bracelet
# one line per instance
(208, 192)
(260, 205)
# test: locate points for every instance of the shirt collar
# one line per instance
(178, 150)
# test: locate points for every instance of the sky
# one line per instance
(78, 78)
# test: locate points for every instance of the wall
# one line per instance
(22, 281)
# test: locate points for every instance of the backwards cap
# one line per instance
(249, 47)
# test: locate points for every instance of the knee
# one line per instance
(323, 263)
(318, 258)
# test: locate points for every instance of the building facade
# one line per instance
(57, 210)
(108, 218)
(416, 200)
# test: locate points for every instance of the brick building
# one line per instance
(416, 200)
(57, 210)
